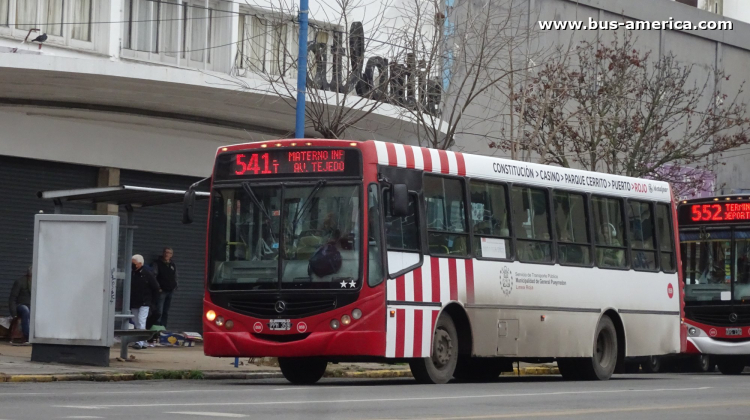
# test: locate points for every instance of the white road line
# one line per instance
(206, 414)
(352, 401)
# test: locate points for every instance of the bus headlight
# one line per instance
(693, 331)
(219, 321)
(210, 315)
(229, 324)
(356, 314)
(346, 320)
(335, 324)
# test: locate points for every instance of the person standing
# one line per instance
(144, 289)
(166, 274)
(20, 302)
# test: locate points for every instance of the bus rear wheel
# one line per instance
(439, 368)
(602, 365)
(302, 371)
(731, 365)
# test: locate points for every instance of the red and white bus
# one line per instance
(715, 249)
(322, 251)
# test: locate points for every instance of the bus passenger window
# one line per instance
(531, 224)
(402, 233)
(643, 250)
(609, 228)
(666, 237)
(489, 216)
(571, 226)
(446, 216)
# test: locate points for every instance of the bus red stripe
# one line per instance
(400, 288)
(418, 332)
(443, 162)
(418, 285)
(470, 281)
(427, 158)
(391, 148)
(461, 163)
(435, 269)
(400, 331)
(453, 276)
(409, 157)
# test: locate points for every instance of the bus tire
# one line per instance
(702, 363)
(731, 365)
(439, 368)
(602, 365)
(302, 370)
(481, 369)
(652, 365)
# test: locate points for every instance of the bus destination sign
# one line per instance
(717, 212)
(286, 162)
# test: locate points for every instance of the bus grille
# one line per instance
(719, 315)
(295, 308)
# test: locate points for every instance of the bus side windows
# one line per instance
(447, 233)
(375, 272)
(609, 232)
(643, 249)
(666, 238)
(489, 216)
(531, 224)
(402, 233)
(571, 226)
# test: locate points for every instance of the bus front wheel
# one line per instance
(439, 368)
(302, 371)
(731, 365)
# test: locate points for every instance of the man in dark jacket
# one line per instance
(143, 291)
(20, 302)
(166, 275)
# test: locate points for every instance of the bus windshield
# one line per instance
(717, 266)
(290, 237)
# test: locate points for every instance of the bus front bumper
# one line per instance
(333, 343)
(707, 345)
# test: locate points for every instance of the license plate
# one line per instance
(734, 331)
(280, 324)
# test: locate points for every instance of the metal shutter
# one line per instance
(161, 226)
(20, 180)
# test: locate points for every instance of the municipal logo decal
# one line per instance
(506, 281)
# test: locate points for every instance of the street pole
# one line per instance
(299, 128)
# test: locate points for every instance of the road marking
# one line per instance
(351, 401)
(581, 412)
(83, 417)
(206, 414)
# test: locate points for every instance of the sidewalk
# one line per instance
(16, 366)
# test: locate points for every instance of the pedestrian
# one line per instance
(20, 302)
(166, 274)
(144, 290)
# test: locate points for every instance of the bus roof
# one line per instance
(497, 169)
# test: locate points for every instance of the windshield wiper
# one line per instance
(304, 207)
(249, 191)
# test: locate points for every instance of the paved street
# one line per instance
(662, 397)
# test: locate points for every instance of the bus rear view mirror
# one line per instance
(400, 203)
(188, 203)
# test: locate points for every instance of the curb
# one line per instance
(372, 374)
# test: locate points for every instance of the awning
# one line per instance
(121, 195)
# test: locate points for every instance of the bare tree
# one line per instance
(342, 88)
(466, 58)
(609, 108)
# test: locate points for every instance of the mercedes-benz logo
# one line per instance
(733, 317)
(280, 306)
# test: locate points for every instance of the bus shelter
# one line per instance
(130, 198)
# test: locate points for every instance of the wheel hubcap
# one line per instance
(603, 351)
(442, 349)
